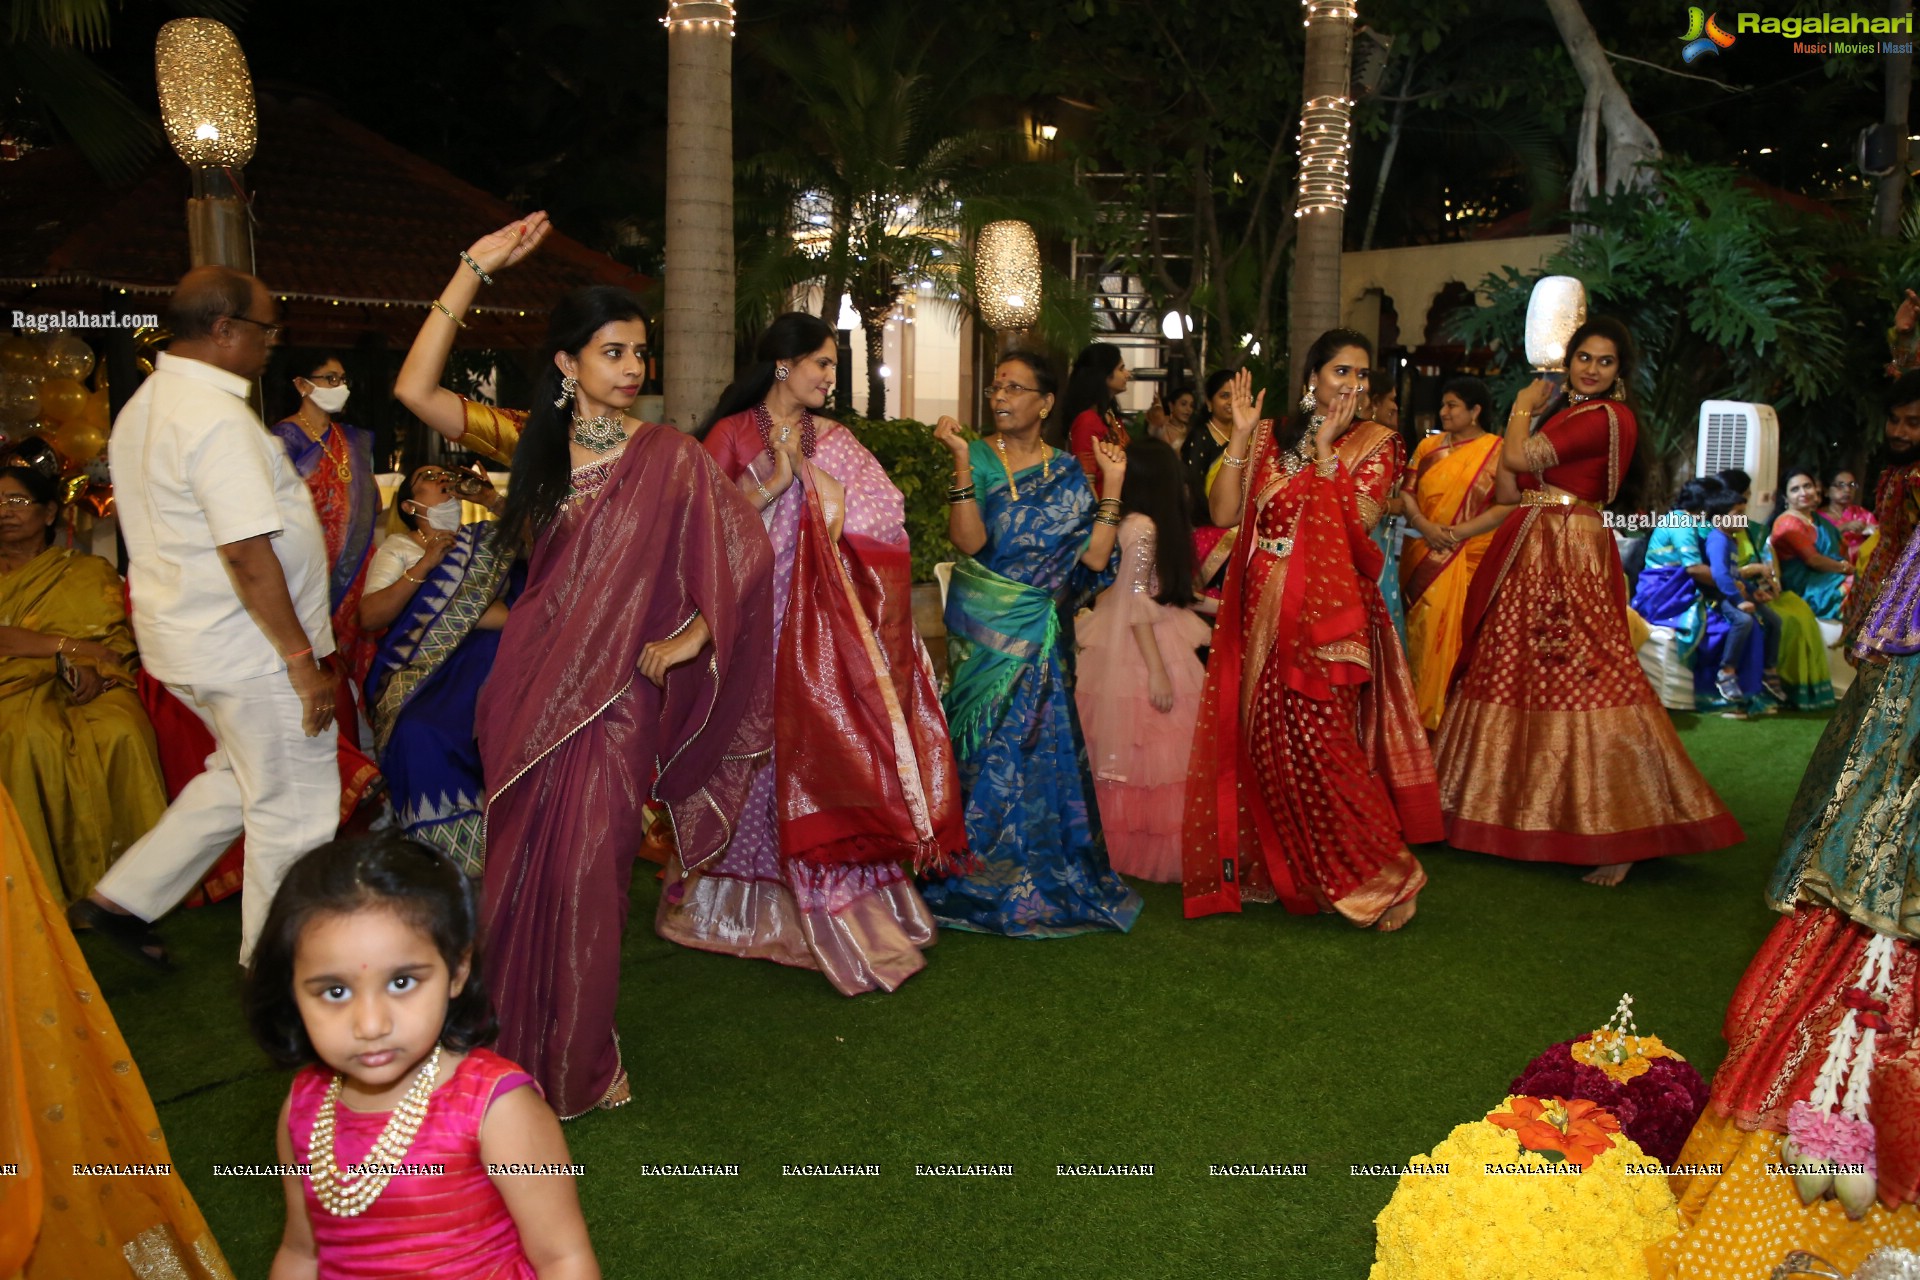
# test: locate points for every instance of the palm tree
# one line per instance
(902, 179)
(1316, 260)
(699, 275)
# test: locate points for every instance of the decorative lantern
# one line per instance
(1558, 307)
(1007, 275)
(206, 94)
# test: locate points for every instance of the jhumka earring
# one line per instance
(568, 385)
(1307, 402)
(1619, 391)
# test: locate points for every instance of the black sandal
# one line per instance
(128, 932)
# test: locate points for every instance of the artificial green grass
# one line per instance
(1259, 1038)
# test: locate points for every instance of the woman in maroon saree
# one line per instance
(637, 661)
(1310, 774)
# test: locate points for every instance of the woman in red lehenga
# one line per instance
(1310, 773)
(1554, 748)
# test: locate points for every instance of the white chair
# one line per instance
(943, 574)
(1666, 670)
(1837, 666)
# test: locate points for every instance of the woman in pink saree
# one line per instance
(637, 662)
(863, 777)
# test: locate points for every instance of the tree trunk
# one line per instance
(1891, 190)
(1316, 261)
(1631, 146)
(698, 324)
(1386, 155)
(874, 325)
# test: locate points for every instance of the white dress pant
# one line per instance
(265, 777)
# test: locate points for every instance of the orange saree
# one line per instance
(1452, 483)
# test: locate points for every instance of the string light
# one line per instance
(1007, 269)
(1326, 126)
(699, 15)
(206, 93)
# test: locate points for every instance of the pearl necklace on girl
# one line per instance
(347, 1195)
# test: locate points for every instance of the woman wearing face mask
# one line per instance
(441, 591)
(336, 460)
(862, 777)
(1553, 747)
(1310, 775)
(639, 659)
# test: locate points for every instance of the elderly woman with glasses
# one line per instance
(1033, 539)
(76, 750)
(1855, 522)
(441, 590)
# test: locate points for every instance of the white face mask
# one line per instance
(328, 399)
(444, 517)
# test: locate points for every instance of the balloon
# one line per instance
(20, 354)
(67, 357)
(96, 413)
(61, 400)
(81, 442)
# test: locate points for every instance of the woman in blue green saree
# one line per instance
(1811, 552)
(1025, 517)
(445, 592)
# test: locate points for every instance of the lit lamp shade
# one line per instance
(1558, 307)
(1007, 275)
(206, 94)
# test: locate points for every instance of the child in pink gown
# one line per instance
(364, 977)
(1139, 677)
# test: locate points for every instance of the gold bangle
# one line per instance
(418, 582)
(1227, 459)
(441, 307)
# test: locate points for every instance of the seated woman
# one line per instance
(76, 750)
(441, 589)
(1855, 523)
(1675, 591)
(1810, 549)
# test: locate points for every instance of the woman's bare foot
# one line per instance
(1608, 876)
(1396, 916)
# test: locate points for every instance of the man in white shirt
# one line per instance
(228, 569)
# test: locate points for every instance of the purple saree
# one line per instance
(572, 736)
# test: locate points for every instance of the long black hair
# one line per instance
(542, 466)
(792, 336)
(1156, 487)
(383, 873)
(1324, 349)
(1087, 388)
(1633, 484)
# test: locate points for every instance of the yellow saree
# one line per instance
(1452, 483)
(86, 778)
(71, 1097)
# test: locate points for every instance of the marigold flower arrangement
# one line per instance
(1655, 1093)
(1532, 1216)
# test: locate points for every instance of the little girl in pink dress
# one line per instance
(423, 1156)
(1139, 677)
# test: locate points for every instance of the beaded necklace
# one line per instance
(763, 418)
(348, 1195)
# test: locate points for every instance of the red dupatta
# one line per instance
(1320, 603)
(863, 765)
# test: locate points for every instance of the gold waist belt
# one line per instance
(1549, 498)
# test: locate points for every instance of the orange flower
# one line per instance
(1576, 1131)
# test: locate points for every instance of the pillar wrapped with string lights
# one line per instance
(1326, 139)
(206, 106)
(1007, 278)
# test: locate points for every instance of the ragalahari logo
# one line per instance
(1704, 35)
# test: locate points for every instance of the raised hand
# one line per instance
(948, 432)
(501, 249)
(1534, 396)
(1112, 460)
(1339, 417)
(1246, 406)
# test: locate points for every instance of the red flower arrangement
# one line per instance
(1656, 1108)
(1575, 1131)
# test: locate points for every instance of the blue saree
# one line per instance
(1041, 866)
(1825, 593)
(424, 686)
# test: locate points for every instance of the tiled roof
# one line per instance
(355, 233)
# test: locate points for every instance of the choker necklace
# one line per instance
(1301, 453)
(348, 1195)
(763, 418)
(1046, 465)
(599, 434)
